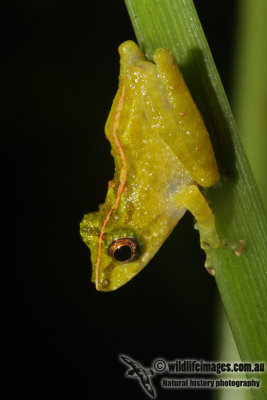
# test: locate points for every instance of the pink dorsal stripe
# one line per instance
(122, 182)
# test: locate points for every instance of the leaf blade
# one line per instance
(236, 202)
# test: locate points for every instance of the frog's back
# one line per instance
(153, 171)
(167, 98)
(154, 174)
(152, 154)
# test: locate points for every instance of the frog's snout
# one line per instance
(115, 275)
(104, 281)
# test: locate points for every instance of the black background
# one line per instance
(60, 337)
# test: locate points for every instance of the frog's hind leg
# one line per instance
(192, 199)
(129, 54)
(199, 159)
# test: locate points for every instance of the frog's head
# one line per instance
(117, 255)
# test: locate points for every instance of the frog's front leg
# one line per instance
(192, 199)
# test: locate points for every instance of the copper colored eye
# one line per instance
(124, 250)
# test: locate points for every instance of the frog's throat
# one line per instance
(122, 182)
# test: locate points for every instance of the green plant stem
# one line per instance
(250, 83)
(236, 203)
(226, 351)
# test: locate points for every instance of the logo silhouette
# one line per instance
(139, 372)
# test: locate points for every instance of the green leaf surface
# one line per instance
(250, 86)
(241, 280)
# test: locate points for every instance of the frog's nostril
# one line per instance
(105, 282)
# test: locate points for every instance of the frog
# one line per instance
(163, 159)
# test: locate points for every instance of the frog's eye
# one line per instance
(124, 250)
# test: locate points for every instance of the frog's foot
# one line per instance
(236, 247)
(209, 264)
(210, 270)
(192, 199)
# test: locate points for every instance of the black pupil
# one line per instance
(123, 253)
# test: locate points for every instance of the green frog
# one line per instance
(162, 153)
